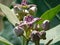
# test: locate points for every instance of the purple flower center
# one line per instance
(23, 2)
(29, 18)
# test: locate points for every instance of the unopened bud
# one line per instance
(35, 36)
(46, 25)
(19, 31)
(32, 10)
(43, 35)
(17, 8)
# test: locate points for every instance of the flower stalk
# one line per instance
(37, 43)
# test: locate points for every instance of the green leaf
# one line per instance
(50, 14)
(6, 42)
(9, 14)
(54, 34)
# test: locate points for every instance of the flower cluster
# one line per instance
(28, 22)
(23, 9)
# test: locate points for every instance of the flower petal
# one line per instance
(28, 18)
(34, 20)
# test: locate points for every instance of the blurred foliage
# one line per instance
(8, 32)
(48, 15)
(7, 2)
(54, 34)
(6, 42)
(9, 14)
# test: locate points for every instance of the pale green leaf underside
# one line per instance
(9, 14)
(4, 41)
(54, 34)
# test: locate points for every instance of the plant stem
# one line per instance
(24, 40)
(37, 43)
(49, 42)
(27, 42)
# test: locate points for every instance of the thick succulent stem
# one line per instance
(25, 40)
(37, 43)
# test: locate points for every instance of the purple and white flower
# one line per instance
(30, 19)
(23, 2)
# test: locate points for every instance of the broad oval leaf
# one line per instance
(50, 14)
(54, 34)
(9, 14)
(6, 42)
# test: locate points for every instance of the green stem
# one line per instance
(25, 40)
(37, 43)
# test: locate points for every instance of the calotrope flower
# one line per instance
(24, 6)
(19, 7)
(24, 2)
(30, 19)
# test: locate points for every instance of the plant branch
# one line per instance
(49, 42)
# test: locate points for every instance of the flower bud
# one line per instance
(35, 36)
(43, 35)
(33, 10)
(46, 25)
(19, 31)
(24, 2)
(17, 8)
